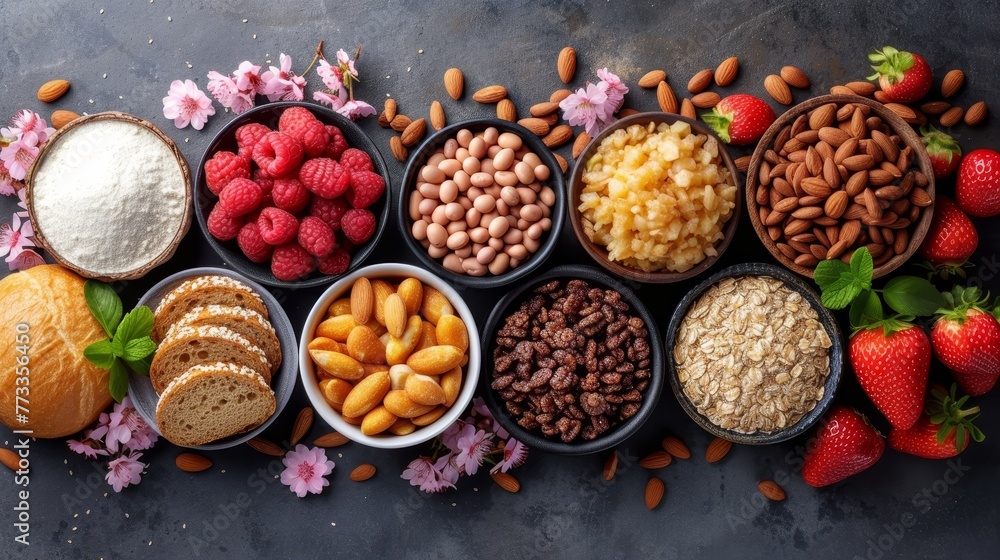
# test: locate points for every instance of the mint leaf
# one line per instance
(842, 292)
(829, 271)
(141, 366)
(137, 324)
(100, 353)
(104, 304)
(910, 295)
(866, 310)
(863, 267)
(118, 347)
(138, 348)
(118, 383)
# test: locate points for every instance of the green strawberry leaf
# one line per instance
(100, 353)
(866, 310)
(841, 293)
(138, 348)
(863, 267)
(138, 323)
(118, 383)
(719, 122)
(910, 295)
(829, 271)
(104, 304)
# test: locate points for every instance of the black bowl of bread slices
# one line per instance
(225, 362)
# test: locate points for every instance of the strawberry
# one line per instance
(966, 338)
(942, 431)
(977, 188)
(844, 445)
(944, 150)
(740, 119)
(951, 239)
(905, 77)
(892, 360)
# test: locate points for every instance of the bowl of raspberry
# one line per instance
(292, 194)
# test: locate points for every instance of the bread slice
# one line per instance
(191, 346)
(213, 401)
(245, 322)
(211, 289)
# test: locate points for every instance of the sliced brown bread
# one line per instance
(191, 346)
(246, 322)
(199, 292)
(213, 401)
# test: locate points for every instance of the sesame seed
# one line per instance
(76, 515)
(254, 35)
(407, 68)
(170, 18)
(184, 526)
(421, 51)
(105, 76)
(333, 524)
(245, 20)
(126, 515)
(88, 512)
(102, 11)
(91, 101)
(74, 528)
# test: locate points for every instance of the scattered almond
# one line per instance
(935, 107)
(794, 77)
(717, 450)
(558, 136)
(563, 164)
(558, 95)
(506, 110)
(9, 459)
(438, 121)
(771, 490)
(303, 423)
(490, 94)
(952, 116)
(388, 113)
(676, 447)
(266, 446)
(52, 90)
(580, 143)
(726, 72)
(976, 114)
(882, 97)
(706, 100)
(192, 462)
(506, 481)
(742, 163)
(652, 78)
(610, 465)
(454, 82)
(537, 126)
(901, 110)
(666, 98)
(656, 460)
(627, 113)
(654, 492)
(399, 151)
(399, 123)
(700, 81)
(413, 133)
(542, 109)
(363, 472)
(687, 109)
(865, 89)
(952, 82)
(566, 64)
(362, 300)
(777, 88)
(61, 118)
(841, 90)
(332, 439)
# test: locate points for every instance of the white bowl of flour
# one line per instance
(110, 196)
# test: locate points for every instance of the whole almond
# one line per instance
(303, 423)
(822, 116)
(454, 82)
(726, 72)
(542, 109)
(558, 136)
(610, 465)
(192, 462)
(794, 77)
(700, 81)
(687, 109)
(506, 110)
(952, 82)
(388, 113)
(676, 447)
(363, 472)
(52, 90)
(267, 447)
(506, 481)
(706, 100)
(438, 120)
(413, 133)
(652, 78)
(61, 118)
(399, 151)
(850, 231)
(952, 116)
(628, 112)
(332, 439)
(558, 95)
(537, 126)
(841, 90)
(666, 98)
(976, 114)
(655, 460)
(654, 492)
(778, 89)
(400, 122)
(566, 64)
(935, 107)
(362, 300)
(882, 97)
(717, 450)
(742, 163)
(771, 490)
(836, 204)
(865, 89)
(901, 110)
(490, 94)
(10, 459)
(395, 315)
(563, 164)
(580, 143)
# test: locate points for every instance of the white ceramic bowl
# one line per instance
(307, 369)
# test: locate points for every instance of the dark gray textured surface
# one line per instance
(912, 507)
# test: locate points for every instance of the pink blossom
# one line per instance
(126, 426)
(27, 121)
(515, 454)
(330, 99)
(27, 259)
(587, 107)
(450, 471)
(346, 64)
(615, 90)
(98, 433)
(281, 84)
(228, 94)
(427, 475)
(16, 238)
(124, 470)
(8, 186)
(186, 104)
(449, 437)
(86, 448)
(18, 156)
(332, 76)
(479, 406)
(248, 78)
(305, 470)
(472, 446)
(22, 201)
(354, 109)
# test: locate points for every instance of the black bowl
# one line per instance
(829, 322)
(268, 115)
(556, 182)
(535, 439)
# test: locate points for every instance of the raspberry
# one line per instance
(277, 226)
(358, 225)
(329, 210)
(278, 154)
(221, 226)
(356, 160)
(300, 123)
(247, 137)
(263, 180)
(337, 143)
(224, 167)
(316, 237)
(325, 177)
(366, 188)
(240, 196)
(291, 262)
(252, 244)
(290, 195)
(336, 263)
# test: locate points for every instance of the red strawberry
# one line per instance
(977, 188)
(951, 239)
(942, 431)
(966, 338)
(944, 150)
(845, 445)
(905, 77)
(740, 119)
(891, 360)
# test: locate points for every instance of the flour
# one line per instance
(109, 196)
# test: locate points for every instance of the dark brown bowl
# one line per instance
(898, 125)
(599, 253)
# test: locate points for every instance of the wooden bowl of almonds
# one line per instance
(836, 173)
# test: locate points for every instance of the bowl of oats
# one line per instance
(754, 357)
(654, 198)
